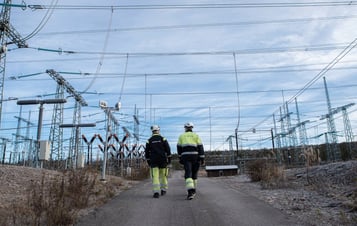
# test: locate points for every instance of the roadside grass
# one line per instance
(270, 174)
(58, 199)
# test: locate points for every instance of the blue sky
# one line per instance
(216, 66)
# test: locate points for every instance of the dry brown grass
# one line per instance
(56, 198)
(270, 174)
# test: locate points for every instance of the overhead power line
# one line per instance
(321, 47)
(328, 67)
(262, 70)
(201, 6)
(231, 24)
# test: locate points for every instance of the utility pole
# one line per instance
(109, 117)
(8, 35)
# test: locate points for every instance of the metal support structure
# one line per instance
(301, 126)
(109, 118)
(56, 132)
(8, 35)
(282, 133)
(291, 129)
(348, 130)
(136, 125)
(336, 154)
(76, 150)
(40, 115)
(90, 148)
(236, 136)
(4, 143)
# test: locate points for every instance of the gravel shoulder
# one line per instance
(320, 195)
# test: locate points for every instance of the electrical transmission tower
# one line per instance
(348, 129)
(301, 126)
(291, 129)
(8, 36)
(56, 133)
(335, 151)
(277, 138)
(282, 129)
(346, 123)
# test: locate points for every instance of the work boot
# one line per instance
(190, 194)
(163, 192)
(156, 195)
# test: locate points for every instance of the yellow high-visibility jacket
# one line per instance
(190, 145)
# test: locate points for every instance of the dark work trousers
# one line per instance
(191, 168)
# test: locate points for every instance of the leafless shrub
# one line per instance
(140, 173)
(270, 174)
(54, 200)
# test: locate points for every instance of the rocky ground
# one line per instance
(320, 195)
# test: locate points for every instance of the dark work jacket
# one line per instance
(158, 151)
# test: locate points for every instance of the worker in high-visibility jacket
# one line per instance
(158, 156)
(191, 154)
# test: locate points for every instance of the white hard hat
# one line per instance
(188, 125)
(155, 128)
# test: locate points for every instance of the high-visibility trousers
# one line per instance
(159, 179)
(191, 174)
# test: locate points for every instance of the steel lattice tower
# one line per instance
(58, 113)
(291, 130)
(335, 151)
(301, 126)
(75, 120)
(282, 130)
(8, 35)
(348, 128)
(277, 138)
(56, 133)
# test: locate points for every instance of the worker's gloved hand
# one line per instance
(202, 161)
(148, 161)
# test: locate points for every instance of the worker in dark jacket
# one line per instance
(158, 156)
(191, 154)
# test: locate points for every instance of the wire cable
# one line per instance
(100, 63)
(125, 70)
(328, 67)
(167, 27)
(321, 47)
(237, 87)
(43, 21)
(204, 6)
